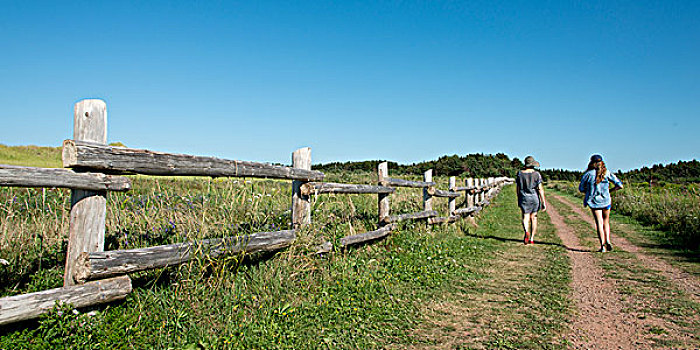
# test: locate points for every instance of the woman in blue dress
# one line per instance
(595, 183)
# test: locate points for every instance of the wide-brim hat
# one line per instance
(530, 162)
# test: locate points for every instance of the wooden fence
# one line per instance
(93, 276)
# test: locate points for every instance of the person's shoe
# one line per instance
(602, 249)
(526, 239)
(532, 241)
(608, 247)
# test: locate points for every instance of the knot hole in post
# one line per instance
(87, 115)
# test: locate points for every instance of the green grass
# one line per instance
(647, 293)
(654, 241)
(373, 296)
(37, 156)
(672, 210)
(516, 298)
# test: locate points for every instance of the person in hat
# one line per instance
(595, 183)
(530, 197)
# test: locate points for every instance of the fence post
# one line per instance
(301, 205)
(427, 198)
(469, 182)
(481, 196)
(88, 208)
(452, 201)
(383, 198)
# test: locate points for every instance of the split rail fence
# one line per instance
(93, 276)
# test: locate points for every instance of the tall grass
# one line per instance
(161, 210)
(365, 299)
(674, 209)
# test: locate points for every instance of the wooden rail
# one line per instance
(446, 194)
(119, 160)
(32, 305)
(412, 216)
(443, 219)
(118, 262)
(367, 236)
(466, 211)
(387, 181)
(20, 176)
(314, 188)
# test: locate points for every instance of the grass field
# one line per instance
(373, 296)
(444, 286)
(672, 211)
(37, 156)
(646, 293)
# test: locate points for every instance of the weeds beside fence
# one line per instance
(95, 274)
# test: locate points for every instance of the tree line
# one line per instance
(471, 165)
(486, 165)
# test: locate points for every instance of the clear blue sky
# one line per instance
(399, 80)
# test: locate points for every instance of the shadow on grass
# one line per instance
(674, 250)
(519, 241)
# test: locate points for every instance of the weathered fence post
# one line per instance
(383, 198)
(88, 208)
(301, 205)
(469, 183)
(479, 196)
(427, 198)
(452, 205)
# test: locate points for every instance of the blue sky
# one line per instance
(399, 80)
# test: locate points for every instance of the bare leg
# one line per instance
(533, 225)
(526, 226)
(598, 216)
(606, 224)
(526, 222)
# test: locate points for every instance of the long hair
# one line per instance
(600, 170)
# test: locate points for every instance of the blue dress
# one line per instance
(597, 195)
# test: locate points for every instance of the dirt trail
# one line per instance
(601, 322)
(683, 280)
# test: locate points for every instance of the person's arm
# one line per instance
(582, 184)
(616, 182)
(543, 200)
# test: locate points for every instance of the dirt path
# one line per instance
(681, 279)
(600, 323)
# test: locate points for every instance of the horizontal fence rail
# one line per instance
(20, 176)
(387, 181)
(32, 305)
(313, 188)
(121, 160)
(367, 236)
(466, 211)
(93, 276)
(412, 216)
(447, 194)
(118, 262)
(443, 219)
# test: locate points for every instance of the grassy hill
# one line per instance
(47, 157)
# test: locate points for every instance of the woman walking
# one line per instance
(595, 183)
(530, 197)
